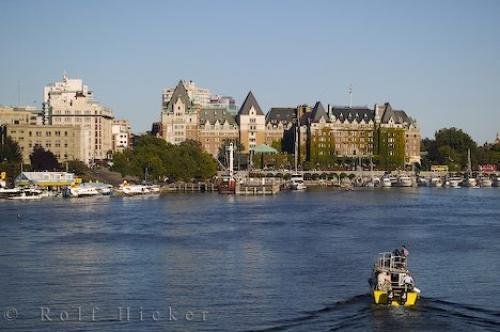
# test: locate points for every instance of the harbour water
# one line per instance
(297, 261)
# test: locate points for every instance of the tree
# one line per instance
(43, 160)
(450, 147)
(10, 150)
(77, 166)
(158, 159)
(10, 158)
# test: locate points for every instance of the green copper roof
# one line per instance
(264, 148)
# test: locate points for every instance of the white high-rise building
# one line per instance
(70, 102)
(121, 131)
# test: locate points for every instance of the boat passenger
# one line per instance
(408, 281)
(405, 251)
(384, 281)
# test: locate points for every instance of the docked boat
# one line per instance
(30, 194)
(391, 282)
(496, 181)
(422, 182)
(436, 181)
(9, 192)
(485, 182)
(385, 182)
(87, 190)
(128, 189)
(469, 182)
(402, 180)
(454, 182)
(297, 182)
(153, 188)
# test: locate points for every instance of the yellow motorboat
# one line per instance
(391, 282)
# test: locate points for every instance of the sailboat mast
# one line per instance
(297, 141)
(469, 164)
(231, 160)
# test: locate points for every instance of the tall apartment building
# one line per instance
(70, 102)
(121, 131)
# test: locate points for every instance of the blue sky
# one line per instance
(438, 60)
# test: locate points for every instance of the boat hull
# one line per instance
(381, 297)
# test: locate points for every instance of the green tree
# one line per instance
(158, 159)
(10, 150)
(450, 146)
(43, 160)
(77, 166)
(278, 145)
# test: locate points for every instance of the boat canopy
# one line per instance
(388, 261)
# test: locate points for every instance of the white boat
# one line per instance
(373, 182)
(9, 192)
(154, 188)
(436, 181)
(385, 182)
(30, 194)
(403, 180)
(469, 182)
(485, 182)
(137, 189)
(454, 182)
(87, 190)
(422, 182)
(297, 182)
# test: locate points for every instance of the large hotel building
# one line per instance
(387, 135)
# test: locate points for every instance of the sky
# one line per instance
(437, 60)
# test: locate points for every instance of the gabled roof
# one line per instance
(397, 116)
(212, 115)
(350, 114)
(247, 105)
(319, 112)
(180, 92)
(284, 115)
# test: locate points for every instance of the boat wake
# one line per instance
(359, 314)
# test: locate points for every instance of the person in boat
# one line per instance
(404, 251)
(408, 281)
(384, 281)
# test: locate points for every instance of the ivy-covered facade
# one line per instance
(388, 137)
